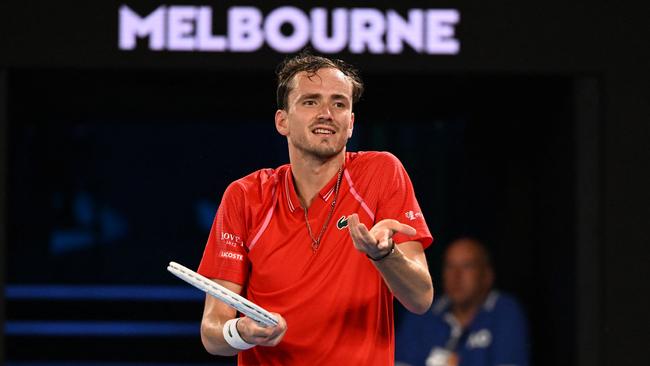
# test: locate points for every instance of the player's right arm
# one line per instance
(217, 313)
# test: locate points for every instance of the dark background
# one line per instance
(534, 138)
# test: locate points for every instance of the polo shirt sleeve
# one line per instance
(225, 255)
(398, 201)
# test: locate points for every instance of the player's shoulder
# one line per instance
(258, 181)
(373, 159)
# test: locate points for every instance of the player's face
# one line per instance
(466, 275)
(318, 121)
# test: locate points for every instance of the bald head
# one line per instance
(467, 272)
(473, 246)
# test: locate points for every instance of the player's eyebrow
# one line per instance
(311, 96)
(340, 96)
(320, 96)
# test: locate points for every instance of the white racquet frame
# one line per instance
(230, 298)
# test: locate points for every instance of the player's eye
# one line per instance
(309, 102)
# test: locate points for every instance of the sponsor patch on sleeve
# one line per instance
(231, 255)
(231, 239)
(411, 215)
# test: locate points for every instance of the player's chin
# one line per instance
(327, 150)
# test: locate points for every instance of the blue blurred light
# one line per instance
(96, 363)
(101, 328)
(84, 210)
(103, 292)
(113, 226)
(205, 211)
(63, 241)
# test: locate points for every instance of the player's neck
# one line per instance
(311, 175)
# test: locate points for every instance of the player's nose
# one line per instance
(324, 113)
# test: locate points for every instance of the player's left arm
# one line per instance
(403, 267)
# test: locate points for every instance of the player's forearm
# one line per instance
(212, 338)
(409, 281)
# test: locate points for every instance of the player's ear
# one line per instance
(351, 126)
(281, 122)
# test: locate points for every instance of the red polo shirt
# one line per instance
(338, 309)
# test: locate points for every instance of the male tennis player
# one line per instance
(324, 242)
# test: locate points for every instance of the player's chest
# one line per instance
(298, 247)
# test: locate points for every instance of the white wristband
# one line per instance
(232, 337)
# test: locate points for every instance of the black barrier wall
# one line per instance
(3, 217)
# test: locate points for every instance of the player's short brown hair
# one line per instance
(310, 63)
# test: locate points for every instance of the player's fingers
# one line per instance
(353, 220)
(275, 337)
(278, 332)
(282, 325)
(261, 333)
(271, 341)
(365, 235)
(354, 231)
(251, 331)
(355, 223)
(399, 227)
(383, 239)
(359, 232)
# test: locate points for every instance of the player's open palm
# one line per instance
(377, 241)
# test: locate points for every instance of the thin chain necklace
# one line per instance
(315, 243)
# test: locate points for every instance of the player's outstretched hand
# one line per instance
(253, 333)
(376, 242)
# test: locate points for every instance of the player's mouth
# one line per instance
(323, 131)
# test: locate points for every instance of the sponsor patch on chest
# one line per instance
(342, 223)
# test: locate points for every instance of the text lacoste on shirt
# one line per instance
(231, 255)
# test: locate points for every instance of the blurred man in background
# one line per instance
(472, 324)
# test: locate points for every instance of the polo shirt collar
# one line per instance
(293, 202)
